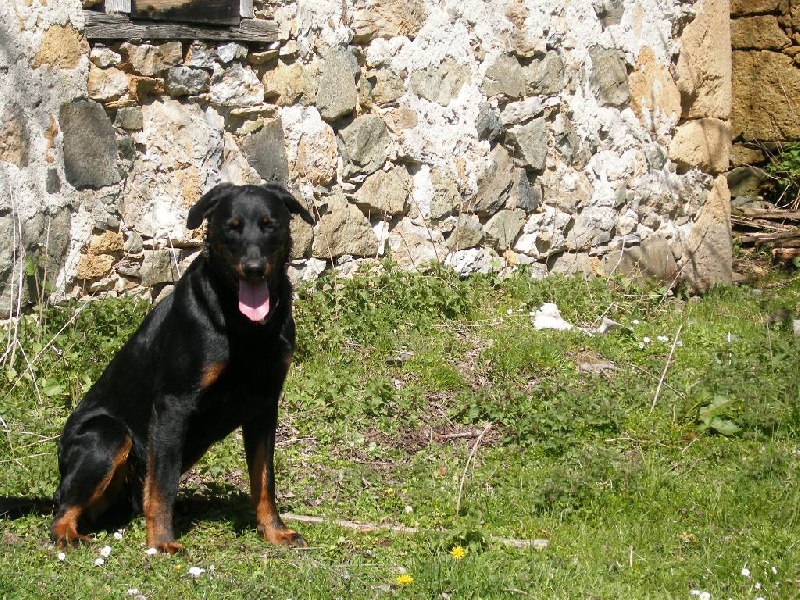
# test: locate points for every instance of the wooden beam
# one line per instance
(204, 12)
(100, 26)
(246, 9)
(118, 6)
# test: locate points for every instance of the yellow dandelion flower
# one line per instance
(404, 579)
(458, 552)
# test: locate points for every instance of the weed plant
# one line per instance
(658, 460)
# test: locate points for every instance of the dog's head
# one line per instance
(248, 239)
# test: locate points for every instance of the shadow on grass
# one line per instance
(15, 508)
(223, 503)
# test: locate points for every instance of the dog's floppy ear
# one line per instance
(290, 202)
(207, 204)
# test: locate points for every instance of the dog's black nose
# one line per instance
(253, 268)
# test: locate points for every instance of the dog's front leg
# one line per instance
(259, 444)
(164, 459)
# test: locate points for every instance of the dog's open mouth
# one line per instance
(254, 301)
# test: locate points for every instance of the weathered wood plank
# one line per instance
(763, 213)
(100, 26)
(781, 238)
(118, 6)
(213, 12)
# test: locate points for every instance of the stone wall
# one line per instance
(565, 135)
(765, 36)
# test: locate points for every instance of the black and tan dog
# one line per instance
(209, 358)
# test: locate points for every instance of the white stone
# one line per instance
(237, 86)
(467, 262)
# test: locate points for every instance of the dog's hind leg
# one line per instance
(93, 463)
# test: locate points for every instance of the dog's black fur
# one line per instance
(209, 358)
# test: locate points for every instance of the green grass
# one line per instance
(643, 491)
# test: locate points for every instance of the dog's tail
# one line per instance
(15, 508)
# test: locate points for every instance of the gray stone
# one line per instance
(133, 243)
(343, 230)
(515, 113)
(200, 56)
(104, 57)
(236, 86)
(572, 264)
(364, 145)
(531, 142)
(310, 269)
(745, 181)
(566, 139)
(186, 81)
(494, 183)
(543, 234)
(610, 11)
(385, 192)
(708, 253)
(53, 182)
(504, 227)
(446, 197)
(90, 151)
(472, 260)
(129, 118)
(126, 149)
(266, 153)
(292, 83)
(488, 124)
(415, 246)
(524, 194)
(593, 226)
(652, 259)
(387, 86)
(467, 234)
(150, 60)
(231, 51)
(440, 83)
(609, 77)
(545, 76)
(8, 288)
(337, 95)
(158, 266)
(302, 235)
(44, 243)
(505, 77)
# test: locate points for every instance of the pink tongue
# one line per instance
(253, 300)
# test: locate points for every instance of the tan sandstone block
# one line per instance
(92, 266)
(107, 242)
(704, 64)
(709, 251)
(652, 88)
(766, 88)
(61, 47)
(759, 33)
(704, 143)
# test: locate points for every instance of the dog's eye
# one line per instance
(235, 224)
(266, 223)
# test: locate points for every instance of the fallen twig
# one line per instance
(536, 544)
(466, 466)
(666, 367)
(458, 435)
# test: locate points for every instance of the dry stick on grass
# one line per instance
(666, 367)
(537, 544)
(466, 466)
